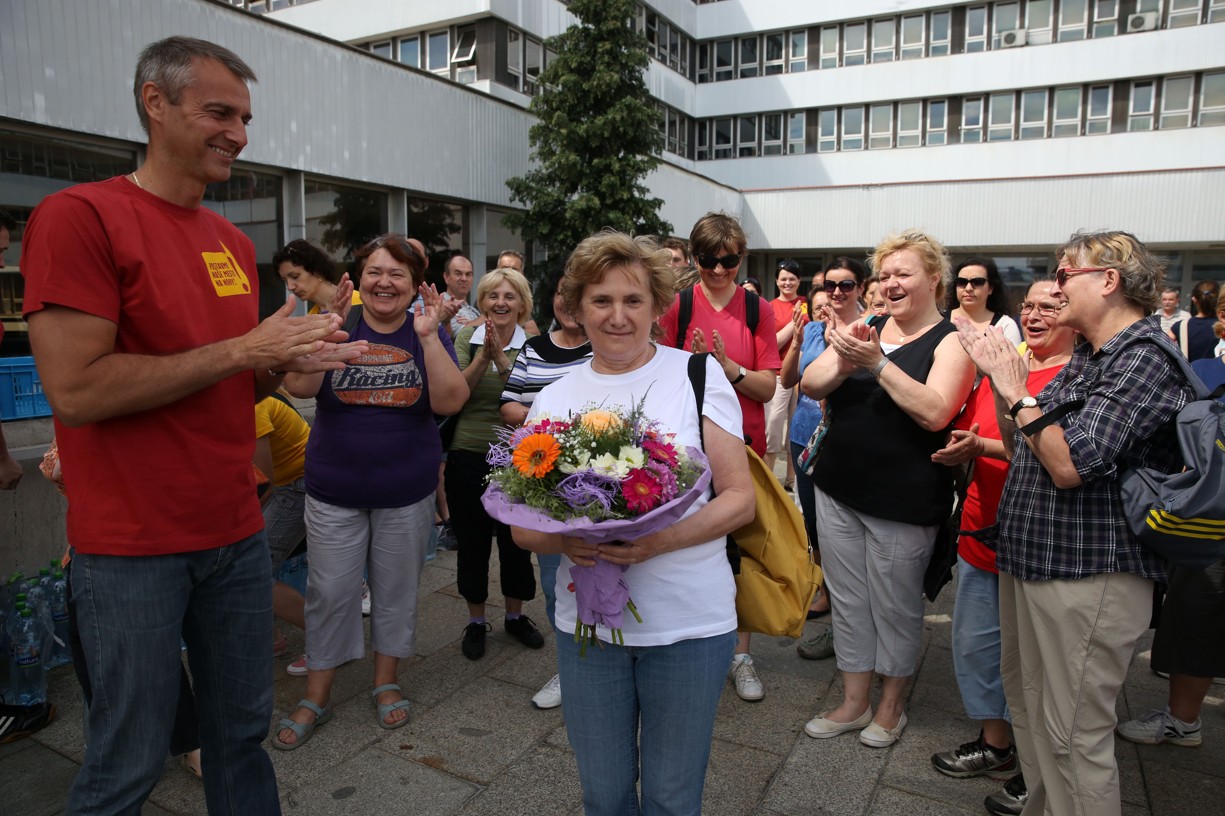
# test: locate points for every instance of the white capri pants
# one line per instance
(875, 572)
(343, 542)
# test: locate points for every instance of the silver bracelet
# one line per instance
(879, 367)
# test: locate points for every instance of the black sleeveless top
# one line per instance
(875, 458)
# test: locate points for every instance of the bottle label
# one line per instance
(26, 656)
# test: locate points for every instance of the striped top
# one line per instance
(541, 362)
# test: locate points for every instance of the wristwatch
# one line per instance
(1022, 403)
(740, 376)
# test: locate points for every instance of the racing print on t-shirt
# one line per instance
(385, 376)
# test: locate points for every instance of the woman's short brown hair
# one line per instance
(932, 254)
(714, 231)
(1142, 274)
(397, 247)
(505, 274)
(595, 256)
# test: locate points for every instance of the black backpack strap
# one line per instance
(351, 319)
(752, 311)
(683, 315)
(697, 378)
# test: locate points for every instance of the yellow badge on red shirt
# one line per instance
(225, 273)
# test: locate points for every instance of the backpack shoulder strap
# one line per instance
(684, 314)
(697, 379)
(752, 310)
(351, 319)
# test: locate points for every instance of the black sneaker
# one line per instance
(523, 630)
(17, 722)
(1011, 800)
(473, 646)
(976, 759)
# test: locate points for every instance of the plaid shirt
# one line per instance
(1126, 422)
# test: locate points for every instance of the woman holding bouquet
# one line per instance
(647, 707)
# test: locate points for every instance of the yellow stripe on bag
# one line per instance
(1170, 524)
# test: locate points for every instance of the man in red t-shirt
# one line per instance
(142, 307)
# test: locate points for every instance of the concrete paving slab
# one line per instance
(736, 777)
(542, 781)
(835, 776)
(1174, 791)
(377, 782)
(773, 723)
(935, 684)
(35, 780)
(890, 802)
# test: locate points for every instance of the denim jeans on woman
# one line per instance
(672, 692)
(132, 612)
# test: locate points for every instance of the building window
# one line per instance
(799, 51)
(746, 141)
(909, 124)
(1097, 117)
(704, 62)
(410, 50)
(829, 47)
(381, 49)
(1067, 112)
(852, 128)
(651, 30)
(880, 126)
(748, 57)
(1216, 11)
(1176, 95)
(724, 68)
(514, 57)
(937, 122)
(771, 134)
(796, 126)
(1038, 22)
(1212, 100)
(1007, 18)
(723, 138)
(1001, 115)
(533, 64)
(976, 29)
(465, 45)
(703, 141)
(884, 40)
(1183, 13)
(674, 50)
(437, 52)
(938, 42)
(775, 61)
(1033, 114)
(827, 130)
(912, 37)
(1140, 113)
(972, 120)
(1073, 16)
(1105, 18)
(855, 44)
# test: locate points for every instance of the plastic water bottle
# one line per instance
(60, 654)
(27, 677)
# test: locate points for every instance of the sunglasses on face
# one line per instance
(975, 282)
(846, 286)
(1062, 275)
(711, 261)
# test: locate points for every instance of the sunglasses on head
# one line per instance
(975, 282)
(846, 286)
(711, 261)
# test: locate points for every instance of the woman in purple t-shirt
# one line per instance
(371, 470)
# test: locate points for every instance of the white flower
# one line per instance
(581, 461)
(630, 457)
(607, 465)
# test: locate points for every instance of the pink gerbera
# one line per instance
(660, 451)
(642, 491)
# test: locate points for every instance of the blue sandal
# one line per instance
(386, 709)
(301, 731)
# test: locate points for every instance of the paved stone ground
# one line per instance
(476, 746)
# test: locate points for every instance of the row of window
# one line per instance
(1164, 103)
(452, 52)
(964, 29)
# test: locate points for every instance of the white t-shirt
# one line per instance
(1010, 329)
(688, 593)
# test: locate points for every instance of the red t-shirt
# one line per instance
(753, 351)
(783, 309)
(176, 478)
(987, 483)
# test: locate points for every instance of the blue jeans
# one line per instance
(132, 611)
(976, 643)
(548, 584)
(672, 692)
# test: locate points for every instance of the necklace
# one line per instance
(135, 180)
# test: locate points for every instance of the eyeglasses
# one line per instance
(725, 261)
(846, 286)
(1062, 275)
(975, 282)
(1044, 311)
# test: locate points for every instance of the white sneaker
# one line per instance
(549, 695)
(742, 673)
(297, 668)
(365, 600)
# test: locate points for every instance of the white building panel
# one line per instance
(352, 20)
(688, 196)
(730, 19)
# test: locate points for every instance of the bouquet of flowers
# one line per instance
(602, 475)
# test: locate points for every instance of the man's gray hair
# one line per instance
(167, 64)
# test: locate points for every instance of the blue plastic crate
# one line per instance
(21, 392)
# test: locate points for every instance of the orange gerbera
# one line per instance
(535, 455)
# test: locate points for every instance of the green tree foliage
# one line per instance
(596, 137)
